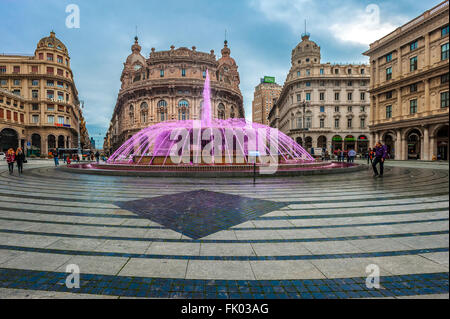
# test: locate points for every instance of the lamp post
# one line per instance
(304, 105)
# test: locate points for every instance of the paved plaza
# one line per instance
(299, 237)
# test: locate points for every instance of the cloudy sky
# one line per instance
(261, 35)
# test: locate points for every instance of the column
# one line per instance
(399, 102)
(426, 145)
(404, 153)
(399, 62)
(431, 147)
(398, 146)
(427, 49)
(377, 137)
(427, 95)
(422, 149)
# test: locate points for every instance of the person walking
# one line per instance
(342, 155)
(351, 155)
(20, 159)
(97, 157)
(369, 156)
(10, 159)
(380, 157)
(55, 157)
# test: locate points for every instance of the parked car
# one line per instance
(2, 156)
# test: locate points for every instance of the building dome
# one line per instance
(226, 58)
(52, 42)
(136, 56)
(306, 52)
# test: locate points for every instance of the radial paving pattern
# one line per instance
(314, 239)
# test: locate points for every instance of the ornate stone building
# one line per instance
(323, 105)
(39, 106)
(169, 86)
(264, 98)
(410, 87)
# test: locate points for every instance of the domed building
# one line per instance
(323, 106)
(169, 86)
(39, 106)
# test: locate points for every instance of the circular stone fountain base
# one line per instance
(315, 168)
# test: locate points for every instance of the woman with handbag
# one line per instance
(20, 159)
(10, 159)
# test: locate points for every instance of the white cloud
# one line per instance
(344, 20)
(364, 27)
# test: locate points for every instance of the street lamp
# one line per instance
(304, 104)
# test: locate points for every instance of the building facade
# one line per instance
(410, 88)
(39, 106)
(265, 96)
(324, 105)
(169, 86)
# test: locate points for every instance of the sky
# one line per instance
(261, 36)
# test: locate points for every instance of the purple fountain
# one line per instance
(209, 141)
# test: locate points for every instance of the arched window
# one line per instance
(221, 112)
(162, 110)
(232, 115)
(183, 110)
(144, 112)
(131, 113)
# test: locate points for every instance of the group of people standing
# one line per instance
(351, 155)
(18, 157)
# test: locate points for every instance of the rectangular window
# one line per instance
(413, 45)
(388, 95)
(362, 109)
(49, 70)
(16, 117)
(389, 57)
(3, 82)
(308, 122)
(61, 120)
(349, 96)
(60, 59)
(349, 83)
(2, 68)
(298, 73)
(363, 123)
(349, 123)
(60, 72)
(204, 74)
(308, 83)
(322, 83)
(322, 96)
(34, 94)
(49, 57)
(8, 114)
(183, 72)
(308, 72)
(362, 96)
(16, 92)
(336, 108)
(16, 69)
(350, 109)
(60, 84)
(336, 96)
(34, 82)
(299, 97)
(322, 72)
(413, 64)
(50, 119)
(413, 88)
(308, 96)
(34, 69)
(444, 78)
(161, 73)
(41, 56)
(337, 83)
(16, 82)
(388, 74)
(444, 99)
(349, 71)
(22, 118)
(363, 71)
(389, 111)
(35, 107)
(444, 52)
(50, 95)
(50, 107)
(444, 31)
(413, 106)
(60, 96)
(322, 109)
(336, 71)
(322, 123)
(336, 123)
(50, 83)
(35, 119)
